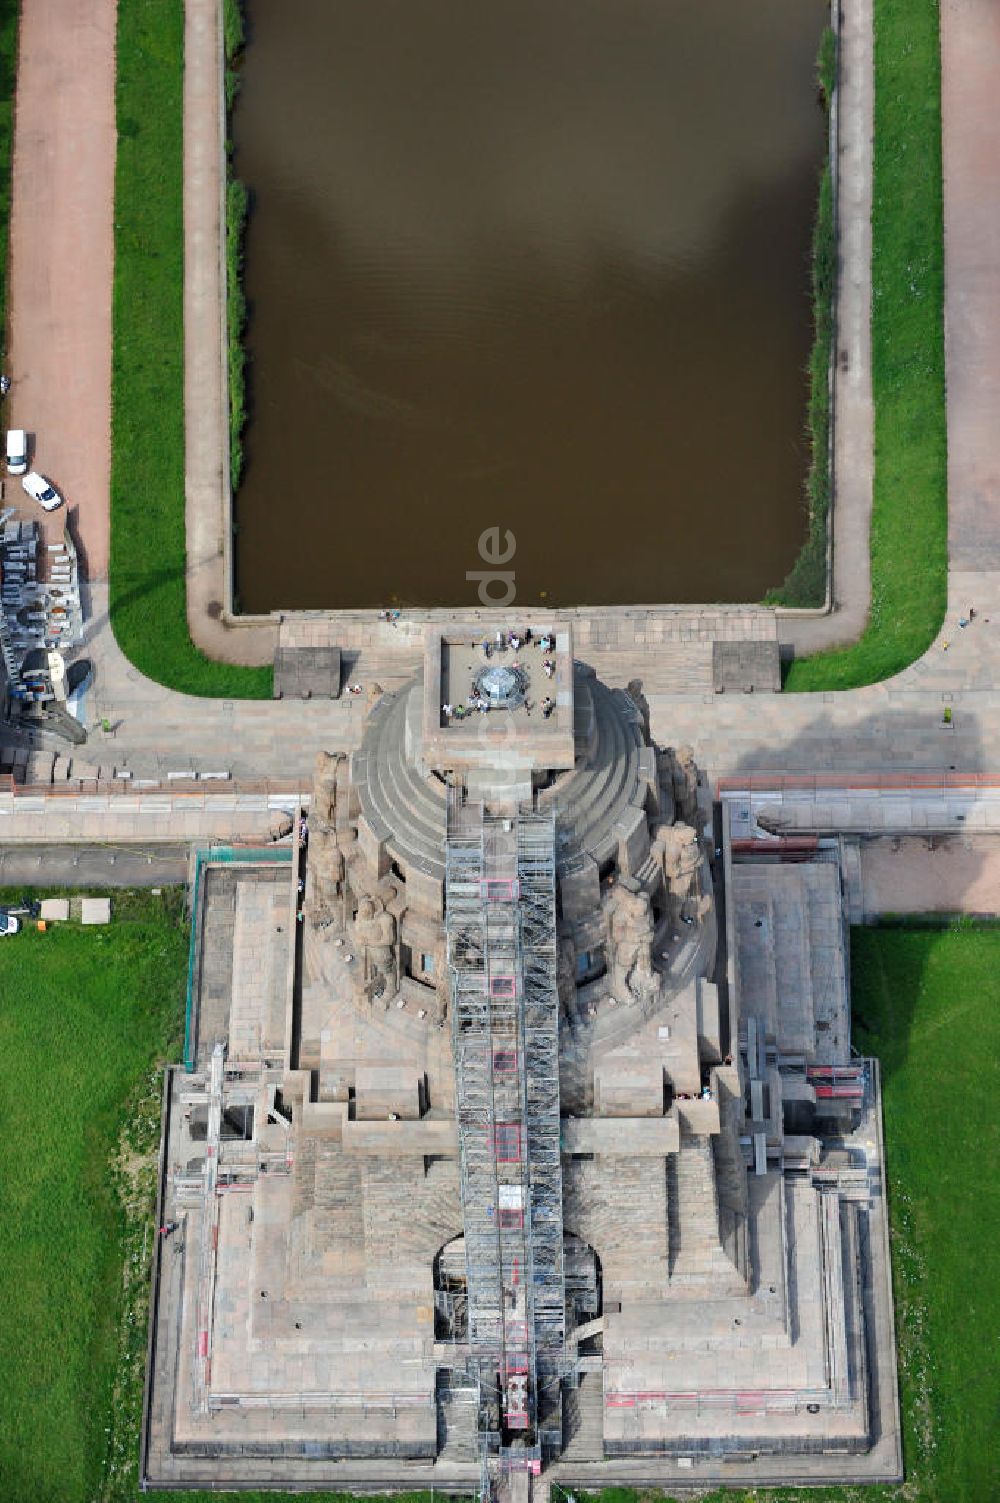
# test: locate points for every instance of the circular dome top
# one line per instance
(505, 688)
(404, 802)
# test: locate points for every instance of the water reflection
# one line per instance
(536, 264)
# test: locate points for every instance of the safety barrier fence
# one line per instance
(216, 856)
(858, 782)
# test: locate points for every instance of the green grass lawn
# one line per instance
(84, 1013)
(909, 536)
(928, 1003)
(148, 607)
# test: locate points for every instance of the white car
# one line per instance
(41, 490)
(9, 925)
(17, 451)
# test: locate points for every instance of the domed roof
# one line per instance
(404, 803)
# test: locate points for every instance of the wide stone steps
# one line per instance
(676, 667)
(408, 1215)
(394, 797)
(583, 1419)
(754, 919)
(594, 797)
(792, 963)
(699, 1267)
(828, 962)
(600, 1197)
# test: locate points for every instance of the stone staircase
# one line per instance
(828, 964)
(600, 1197)
(677, 667)
(409, 1215)
(670, 650)
(260, 965)
(792, 963)
(583, 1419)
(699, 1267)
(592, 797)
(395, 799)
(398, 802)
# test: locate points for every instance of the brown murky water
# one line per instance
(535, 264)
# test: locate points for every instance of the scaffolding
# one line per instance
(500, 920)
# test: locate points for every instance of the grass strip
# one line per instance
(909, 529)
(237, 204)
(233, 30)
(805, 585)
(85, 1014)
(927, 1003)
(148, 552)
(236, 318)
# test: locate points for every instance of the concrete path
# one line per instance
(914, 875)
(898, 724)
(853, 409)
(61, 259)
(970, 57)
(93, 866)
(206, 399)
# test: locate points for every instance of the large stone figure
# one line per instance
(685, 781)
(630, 923)
(323, 811)
(374, 938)
(678, 855)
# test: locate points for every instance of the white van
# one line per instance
(17, 451)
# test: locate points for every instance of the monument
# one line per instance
(525, 1136)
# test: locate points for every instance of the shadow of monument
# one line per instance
(886, 980)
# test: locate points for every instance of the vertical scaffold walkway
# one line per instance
(500, 918)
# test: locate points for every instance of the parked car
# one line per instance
(41, 490)
(17, 451)
(8, 925)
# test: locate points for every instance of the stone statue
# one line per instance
(323, 811)
(631, 944)
(374, 940)
(442, 982)
(326, 879)
(678, 854)
(326, 862)
(685, 777)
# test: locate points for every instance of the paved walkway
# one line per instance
(61, 259)
(898, 724)
(853, 411)
(206, 410)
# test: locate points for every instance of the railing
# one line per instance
(180, 788)
(217, 856)
(875, 782)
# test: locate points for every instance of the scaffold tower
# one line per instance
(500, 919)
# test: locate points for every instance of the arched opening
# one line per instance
(451, 1292)
(584, 1292)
